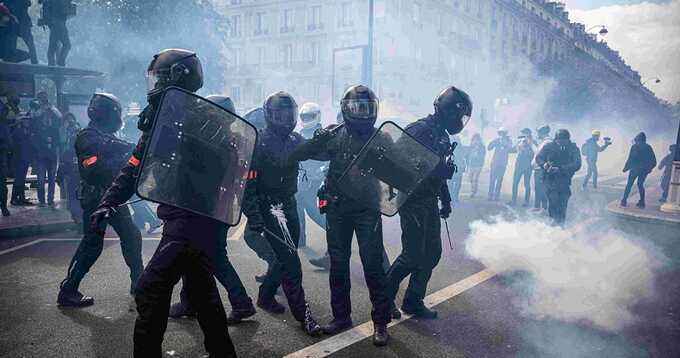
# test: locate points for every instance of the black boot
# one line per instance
(181, 309)
(69, 295)
(5, 212)
(337, 325)
(419, 311)
(380, 335)
(309, 325)
(323, 262)
(271, 305)
(237, 315)
(640, 205)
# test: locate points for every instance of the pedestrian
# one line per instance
(189, 240)
(476, 154)
(23, 156)
(666, 164)
(347, 217)
(20, 9)
(54, 16)
(641, 161)
(68, 167)
(540, 197)
(591, 149)
(502, 147)
(560, 159)
(460, 155)
(46, 121)
(420, 215)
(5, 147)
(523, 168)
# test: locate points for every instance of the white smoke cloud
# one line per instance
(648, 37)
(583, 273)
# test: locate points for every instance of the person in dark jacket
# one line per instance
(23, 156)
(55, 13)
(68, 167)
(641, 161)
(502, 147)
(523, 168)
(540, 198)
(46, 121)
(456, 182)
(20, 9)
(476, 154)
(666, 164)
(5, 147)
(559, 159)
(591, 149)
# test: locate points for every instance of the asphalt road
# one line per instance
(484, 320)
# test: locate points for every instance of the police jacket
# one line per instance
(641, 158)
(567, 158)
(100, 156)
(429, 134)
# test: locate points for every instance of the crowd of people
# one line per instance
(16, 23)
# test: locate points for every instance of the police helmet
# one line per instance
(310, 115)
(105, 111)
(359, 106)
(222, 101)
(280, 112)
(174, 67)
(453, 109)
(255, 117)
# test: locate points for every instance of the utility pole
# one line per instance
(369, 49)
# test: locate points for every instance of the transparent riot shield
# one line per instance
(198, 157)
(387, 169)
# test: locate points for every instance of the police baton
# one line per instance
(448, 234)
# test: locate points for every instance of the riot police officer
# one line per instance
(312, 173)
(560, 159)
(270, 204)
(242, 305)
(346, 217)
(420, 214)
(188, 243)
(100, 157)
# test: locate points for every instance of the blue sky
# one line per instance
(592, 4)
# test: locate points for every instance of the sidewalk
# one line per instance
(650, 214)
(33, 220)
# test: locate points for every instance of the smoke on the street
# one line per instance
(583, 273)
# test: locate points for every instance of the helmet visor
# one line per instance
(283, 117)
(360, 108)
(465, 120)
(152, 79)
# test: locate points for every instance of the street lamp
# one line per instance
(603, 31)
(655, 79)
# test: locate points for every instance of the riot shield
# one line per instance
(388, 169)
(198, 157)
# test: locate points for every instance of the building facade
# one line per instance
(315, 48)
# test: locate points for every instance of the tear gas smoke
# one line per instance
(582, 273)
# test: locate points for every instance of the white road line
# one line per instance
(345, 339)
(31, 243)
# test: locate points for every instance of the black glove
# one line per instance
(256, 222)
(100, 217)
(445, 210)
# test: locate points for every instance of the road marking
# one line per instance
(31, 243)
(345, 339)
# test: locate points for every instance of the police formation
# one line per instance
(270, 191)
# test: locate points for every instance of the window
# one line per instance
(287, 54)
(345, 14)
(313, 53)
(235, 26)
(260, 23)
(236, 94)
(314, 22)
(287, 21)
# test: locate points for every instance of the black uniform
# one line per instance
(55, 14)
(641, 161)
(271, 189)
(346, 217)
(189, 242)
(566, 158)
(420, 220)
(100, 156)
(188, 247)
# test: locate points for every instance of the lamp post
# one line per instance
(672, 204)
(603, 31)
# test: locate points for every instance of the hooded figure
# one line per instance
(641, 161)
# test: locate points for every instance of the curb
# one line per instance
(641, 216)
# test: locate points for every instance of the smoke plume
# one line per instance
(583, 273)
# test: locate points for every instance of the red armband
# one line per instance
(133, 161)
(89, 161)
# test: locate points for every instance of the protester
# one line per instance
(641, 161)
